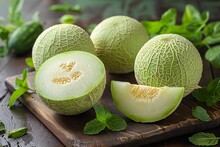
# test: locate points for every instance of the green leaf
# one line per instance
(191, 14)
(212, 28)
(3, 51)
(67, 19)
(15, 12)
(169, 17)
(205, 16)
(17, 133)
(29, 62)
(65, 7)
(116, 123)
(204, 139)
(213, 39)
(201, 94)
(93, 127)
(4, 33)
(15, 95)
(2, 127)
(102, 113)
(153, 27)
(201, 114)
(104, 119)
(213, 56)
(214, 85)
(22, 82)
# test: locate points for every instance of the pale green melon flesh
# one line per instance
(58, 39)
(145, 106)
(170, 60)
(117, 41)
(71, 82)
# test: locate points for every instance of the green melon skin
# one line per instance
(58, 39)
(76, 95)
(117, 41)
(170, 60)
(142, 108)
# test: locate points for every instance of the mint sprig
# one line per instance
(104, 119)
(210, 94)
(29, 62)
(2, 127)
(21, 87)
(204, 139)
(17, 133)
(200, 113)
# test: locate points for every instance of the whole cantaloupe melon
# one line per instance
(169, 60)
(117, 41)
(58, 39)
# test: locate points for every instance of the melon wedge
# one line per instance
(143, 103)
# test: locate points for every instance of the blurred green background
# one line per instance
(93, 11)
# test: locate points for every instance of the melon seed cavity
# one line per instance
(67, 67)
(144, 93)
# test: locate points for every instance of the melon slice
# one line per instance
(144, 103)
(71, 82)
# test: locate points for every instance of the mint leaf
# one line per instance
(29, 62)
(104, 119)
(212, 28)
(204, 139)
(115, 123)
(169, 17)
(15, 95)
(67, 19)
(153, 27)
(17, 133)
(213, 56)
(93, 127)
(201, 94)
(102, 113)
(22, 82)
(191, 14)
(2, 127)
(210, 95)
(21, 87)
(201, 114)
(4, 33)
(65, 7)
(15, 12)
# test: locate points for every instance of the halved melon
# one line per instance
(145, 103)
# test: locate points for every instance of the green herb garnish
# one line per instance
(17, 133)
(104, 118)
(201, 114)
(67, 19)
(29, 62)
(2, 127)
(21, 87)
(209, 95)
(65, 7)
(204, 139)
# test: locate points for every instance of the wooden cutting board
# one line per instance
(69, 129)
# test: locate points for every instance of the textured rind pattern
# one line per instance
(117, 41)
(169, 60)
(79, 105)
(60, 38)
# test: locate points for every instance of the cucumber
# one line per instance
(23, 38)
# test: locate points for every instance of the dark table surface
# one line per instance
(93, 12)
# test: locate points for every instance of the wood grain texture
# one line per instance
(68, 129)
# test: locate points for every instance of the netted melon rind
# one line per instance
(58, 39)
(169, 60)
(117, 41)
